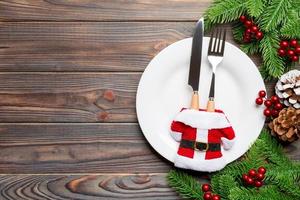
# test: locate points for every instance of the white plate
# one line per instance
(163, 91)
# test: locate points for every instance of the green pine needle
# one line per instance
(238, 31)
(268, 46)
(255, 7)
(274, 14)
(185, 185)
(226, 11)
(291, 29)
(250, 48)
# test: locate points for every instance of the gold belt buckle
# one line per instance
(195, 146)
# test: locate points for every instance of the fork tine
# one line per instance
(219, 41)
(209, 50)
(223, 43)
(215, 41)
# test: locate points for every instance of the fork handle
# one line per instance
(211, 102)
(212, 87)
(195, 101)
(210, 105)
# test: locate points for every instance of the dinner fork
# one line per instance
(215, 55)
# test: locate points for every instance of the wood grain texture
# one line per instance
(102, 10)
(68, 97)
(86, 187)
(77, 148)
(89, 46)
(82, 148)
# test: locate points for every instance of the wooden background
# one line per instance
(69, 71)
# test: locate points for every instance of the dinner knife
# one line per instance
(195, 63)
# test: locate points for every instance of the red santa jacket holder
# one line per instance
(202, 135)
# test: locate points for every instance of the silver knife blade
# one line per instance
(196, 54)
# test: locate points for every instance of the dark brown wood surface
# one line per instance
(87, 187)
(69, 71)
(103, 10)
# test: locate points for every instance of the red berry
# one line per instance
(297, 50)
(268, 103)
(250, 181)
(262, 93)
(259, 101)
(252, 173)
(290, 53)
(258, 184)
(206, 187)
(245, 177)
(295, 58)
(243, 18)
(248, 23)
(293, 43)
(278, 106)
(267, 112)
(261, 170)
(246, 38)
(248, 31)
(207, 196)
(274, 99)
(254, 29)
(274, 113)
(259, 35)
(260, 177)
(284, 44)
(281, 52)
(216, 197)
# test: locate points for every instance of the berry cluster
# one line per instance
(289, 49)
(254, 178)
(273, 106)
(252, 30)
(206, 188)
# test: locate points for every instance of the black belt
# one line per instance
(200, 145)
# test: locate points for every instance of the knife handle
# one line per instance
(210, 105)
(195, 101)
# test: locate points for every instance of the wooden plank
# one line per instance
(86, 187)
(68, 97)
(90, 46)
(82, 148)
(77, 148)
(67, 46)
(102, 10)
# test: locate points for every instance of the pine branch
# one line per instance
(272, 62)
(265, 73)
(225, 11)
(226, 183)
(185, 185)
(291, 29)
(238, 31)
(255, 7)
(250, 48)
(274, 14)
(285, 180)
(270, 148)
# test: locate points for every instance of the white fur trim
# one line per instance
(199, 163)
(176, 135)
(202, 135)
(227, 144)
(202, 119)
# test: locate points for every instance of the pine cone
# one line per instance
(287, 125)
(288, 89)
